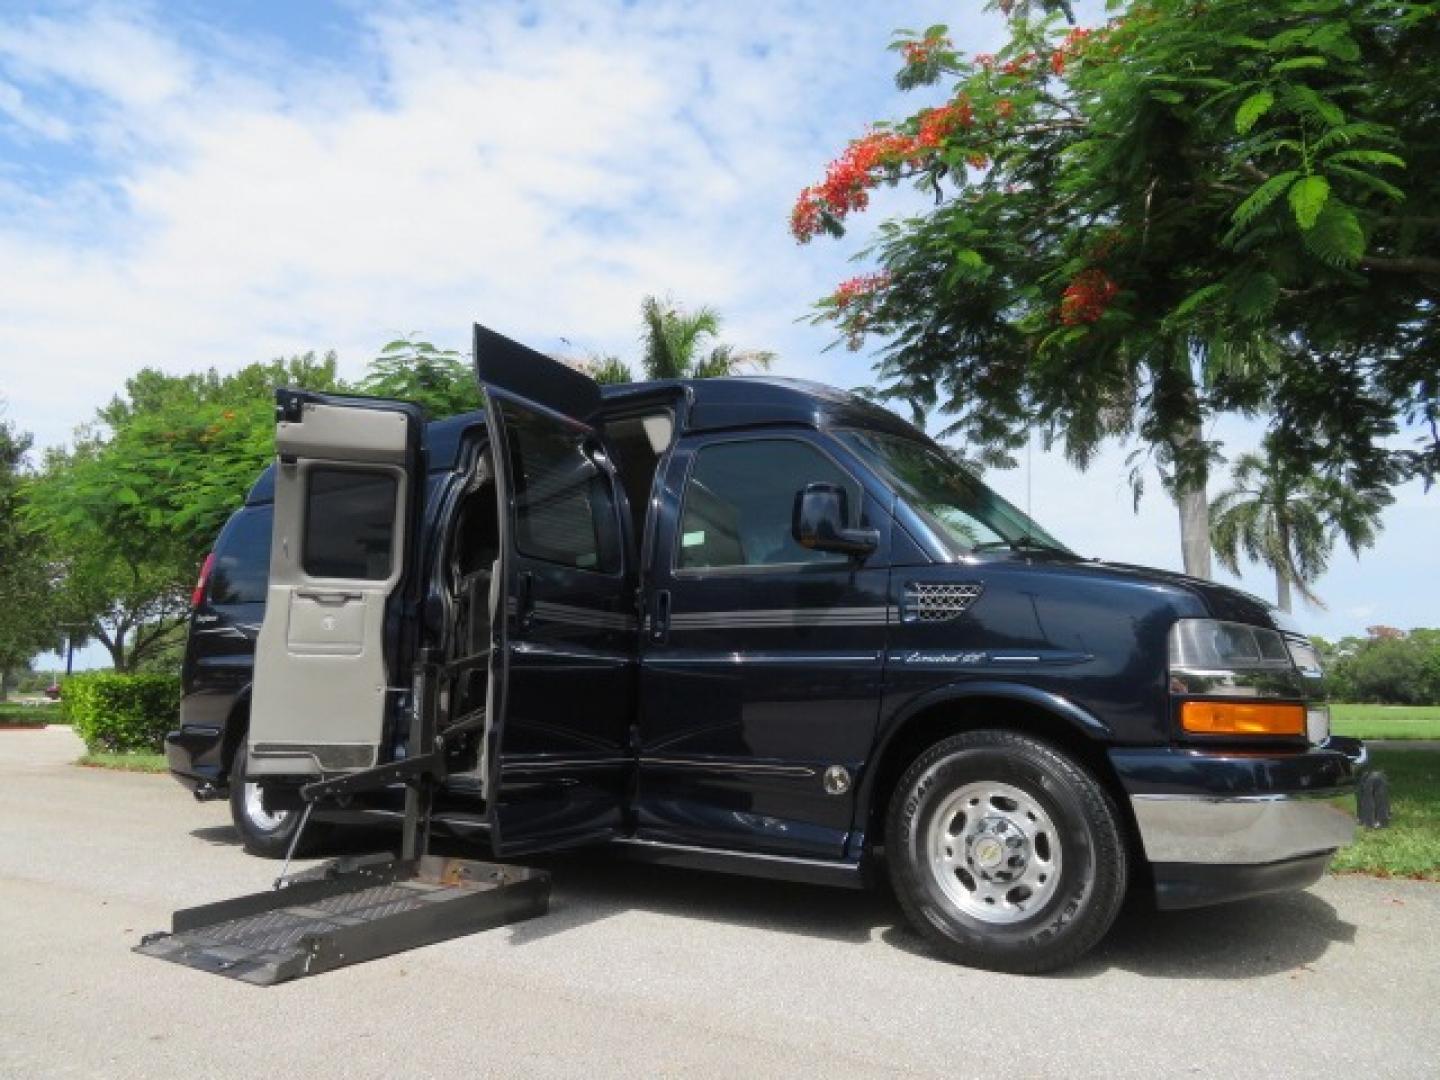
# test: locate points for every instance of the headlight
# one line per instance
(1211, 645)
(1243, 666)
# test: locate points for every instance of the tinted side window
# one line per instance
(740, 503)
(242, 559)
(564, 505)
(349, 523)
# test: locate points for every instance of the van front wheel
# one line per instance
(1005, 853)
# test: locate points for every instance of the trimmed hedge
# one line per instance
(122, 712)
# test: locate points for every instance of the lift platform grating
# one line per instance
(348, 912)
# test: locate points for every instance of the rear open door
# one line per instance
(348, 482)
(563, 626)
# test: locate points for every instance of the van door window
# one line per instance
(349, 523)
(564, 508)
(740, 504)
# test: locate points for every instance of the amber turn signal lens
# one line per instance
(1241, 718)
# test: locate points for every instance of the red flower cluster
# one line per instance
(847, 181)
(860, 288)
(868, 160)
(1069, 48)
(985, 60)
(937, 124)
(922, 52)
(1087, 297)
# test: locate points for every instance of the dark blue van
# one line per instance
(755, 625)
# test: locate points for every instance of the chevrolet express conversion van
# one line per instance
(755, 625)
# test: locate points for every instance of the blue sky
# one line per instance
(187, 184)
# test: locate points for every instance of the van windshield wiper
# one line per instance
(1020, 543)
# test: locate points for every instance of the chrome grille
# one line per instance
(936, 602)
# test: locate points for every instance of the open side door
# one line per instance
(557, 754)
(348, 484)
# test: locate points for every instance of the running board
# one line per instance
(347, 912)
(750, 863)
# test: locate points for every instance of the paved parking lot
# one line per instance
(645, 971)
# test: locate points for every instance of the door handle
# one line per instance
(326, 597)
(660, 620)
(525, 601)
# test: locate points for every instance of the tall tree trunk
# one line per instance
(1193, 504)
(1282, 589)
(117, 654)
(1194, 530)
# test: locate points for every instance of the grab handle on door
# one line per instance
(660, 621)
(525, 601)
(326, 597)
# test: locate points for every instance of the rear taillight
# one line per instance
(198, 595)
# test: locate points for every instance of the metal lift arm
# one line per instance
(352, 910)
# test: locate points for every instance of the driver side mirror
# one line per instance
(820, 520)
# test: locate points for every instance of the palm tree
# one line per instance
(1290, 522)
(606, 369)
(675, 343)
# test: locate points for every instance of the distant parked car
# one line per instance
(53, 691)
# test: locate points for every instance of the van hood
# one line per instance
(1220, 601)
(1224, 602)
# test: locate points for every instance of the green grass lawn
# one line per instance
(131, 762)
(13, 714)
(1386, 721)
(1410, 847)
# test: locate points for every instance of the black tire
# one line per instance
(1066, 822)
(260, 834)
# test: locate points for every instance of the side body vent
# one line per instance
(936, 601)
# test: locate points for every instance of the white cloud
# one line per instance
(537, 168)
(540, 176)
(14, 106)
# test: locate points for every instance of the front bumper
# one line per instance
(1244, 829)
(1224, 825)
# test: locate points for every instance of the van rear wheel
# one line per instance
(1005, 853)
(263, 832)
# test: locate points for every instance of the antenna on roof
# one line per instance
(1029, 474)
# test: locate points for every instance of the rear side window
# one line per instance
(349, 524)
(564, 506)
(242, 559)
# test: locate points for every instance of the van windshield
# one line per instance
(962, 512)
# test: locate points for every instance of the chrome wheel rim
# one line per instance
(994, 851)
(256, 813)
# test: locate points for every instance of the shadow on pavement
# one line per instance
(589, 887)
(337, 842)
(1244, 940)
(1247, 939)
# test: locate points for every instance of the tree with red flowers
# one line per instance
(1199, 207)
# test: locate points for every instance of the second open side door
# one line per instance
(346, 502)
(563, 628)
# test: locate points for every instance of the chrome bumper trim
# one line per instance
(1245, 829)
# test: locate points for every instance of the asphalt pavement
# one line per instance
(647, 971)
